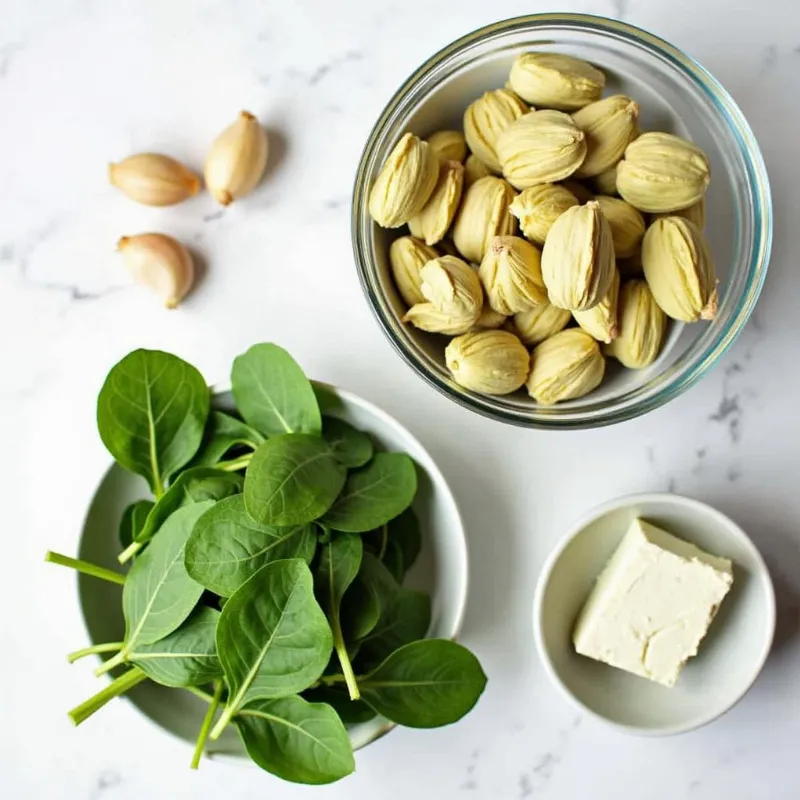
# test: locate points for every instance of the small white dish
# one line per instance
(730, 657)
(441, 569)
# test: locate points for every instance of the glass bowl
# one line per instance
(675, 94)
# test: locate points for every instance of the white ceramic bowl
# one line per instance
(730, 657)
(441, 569)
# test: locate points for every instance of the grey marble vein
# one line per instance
(620, 8)
(19, 253)
(323, 70)
(334, 203)
(106, 780)
(470, 784)
(729, 410)
(74, 291)
(669, 481)
(8, 52)
(769, 58)
(733, 473)
(546, 764)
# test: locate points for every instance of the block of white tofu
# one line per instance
(652, 604)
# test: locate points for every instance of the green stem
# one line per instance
(206, 726)
(331, 680)
(344, 660)
(199, 693)
(130, 551)
(384, 541)
(222, 723)
(86, 567)
(115, 661)
(117, 687)
(234, 464)
(107, 647)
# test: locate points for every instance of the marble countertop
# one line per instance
(84, 82)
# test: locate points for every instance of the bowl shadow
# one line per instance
(781, 552)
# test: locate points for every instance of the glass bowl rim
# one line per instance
(757, 185)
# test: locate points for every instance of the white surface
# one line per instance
(82, 83)
(731, 656)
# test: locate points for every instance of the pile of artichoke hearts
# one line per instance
(549, 235)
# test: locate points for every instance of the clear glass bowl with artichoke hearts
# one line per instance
(547, 252)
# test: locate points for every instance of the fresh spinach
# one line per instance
(222, 433)
(195, 485)
(374, 495)
(292, 479)
(116, 688)
(404, 532)
(371, 593)
(227, 546)
(393, 560)
(351, 712)
(151, 413)
(208, 721)
(397, 543)
(187, 656)
(425, 684)
(339, 563)
(352, 447)
(296, 740)
(132, 522)
(159, 594)
(406, 620)
(305, 554)
(273, 394)
(273, 638)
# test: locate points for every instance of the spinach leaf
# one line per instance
(393, 561)
(158, 594)
(292, 479)
(273, 639)
(228, 546)
(187, 656)
(296, 740)
(192, 486)
(133, 519)
(351, 712)
(338, 566)
(323, 534)
(404, 532)
(273, 394)
(371, 593)
(151, 413)
(406, 620)
(374, 494)
(396, 542)
(425, 684)
(222, 433)
(352, 447)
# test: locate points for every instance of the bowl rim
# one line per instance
(458, 532)
(698, 506)
(758, 256)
